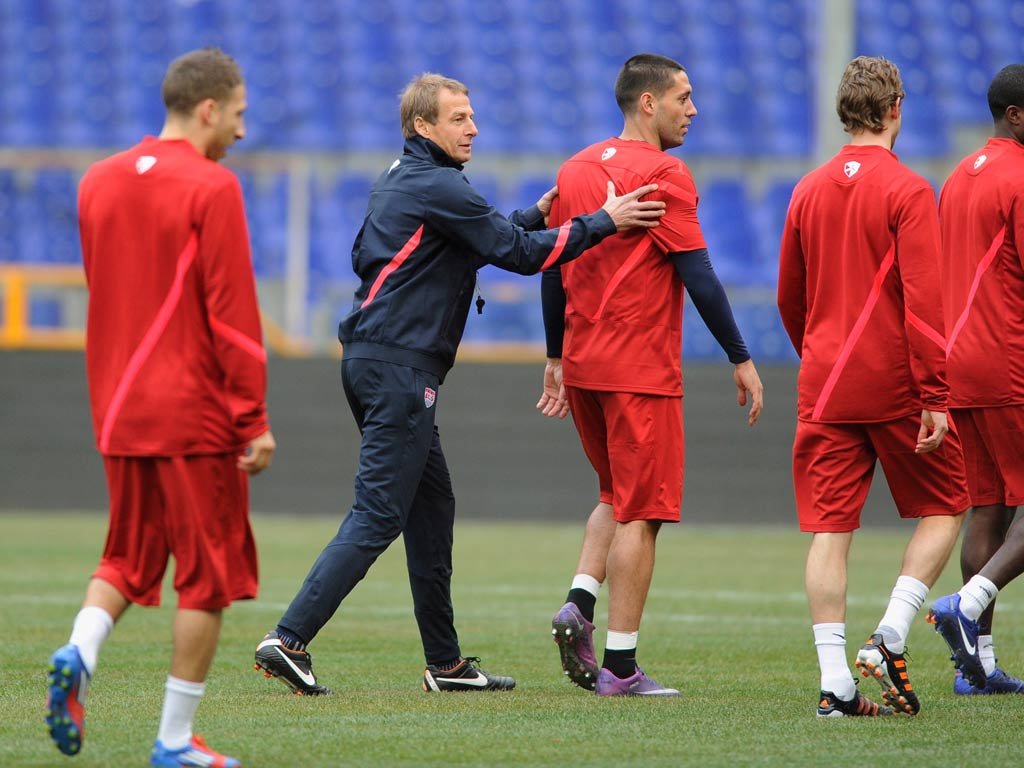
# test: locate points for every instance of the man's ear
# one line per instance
(422, 127)
(205, 110)
(647, 103)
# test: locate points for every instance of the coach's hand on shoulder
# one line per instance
(748, 381)
(258, 455)
(934, 426)
(628, 211)
(544, 204)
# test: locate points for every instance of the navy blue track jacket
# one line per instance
(426, 233)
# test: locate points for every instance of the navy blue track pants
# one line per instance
(402, 487)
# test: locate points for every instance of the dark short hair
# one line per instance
(1006, 90)
(868, 90)
(207, 73)
(644, 73)
(421, 99)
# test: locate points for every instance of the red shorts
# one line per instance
(993, 441)
(833, 465)
(193, 507)
(635, 444)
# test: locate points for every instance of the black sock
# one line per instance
(620, 663)
(290, 640)
(584, 601)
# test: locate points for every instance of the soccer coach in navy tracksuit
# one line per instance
(425, 234)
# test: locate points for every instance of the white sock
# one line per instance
(830, 642)
(975, 596)
(906, 600)
(181, 698)
(621, 641)
(91, 629)
(585, 582)
(987, 653)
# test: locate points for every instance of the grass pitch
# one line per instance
(726, 623)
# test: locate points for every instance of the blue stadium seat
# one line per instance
(339, 206)
(45, 312)
(768, 216)
(266, 206)
(724, 210)
(8, 206)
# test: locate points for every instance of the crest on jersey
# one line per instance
(144, 163)
(981, 159)
(608, 153)
(429, 396)
(851, 168)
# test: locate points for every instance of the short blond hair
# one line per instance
(869, 89)
(420, 99)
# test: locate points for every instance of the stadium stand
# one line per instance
(323, 77)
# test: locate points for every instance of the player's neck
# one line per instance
(1002, 130)
(872, 139)
(178, 130)
(633, 131)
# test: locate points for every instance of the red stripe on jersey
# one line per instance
(620, 274)
(396, 261)
(926, 329)
(677, 192)
(149, 340)
(983, 266)
(855, 334)
(563, 238)
(239, 339)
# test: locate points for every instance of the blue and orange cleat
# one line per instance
(194, 754)
(65, 706)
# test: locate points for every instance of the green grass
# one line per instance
(726, 623)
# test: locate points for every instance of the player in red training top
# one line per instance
(177, 383)
(860, 298)
(981, 210)
(619, 370)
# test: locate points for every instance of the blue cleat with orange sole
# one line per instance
(65, 706)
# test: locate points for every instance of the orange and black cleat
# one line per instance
(890, 670)
(831, 705)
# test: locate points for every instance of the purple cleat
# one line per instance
(574, 636)
(996, 683)
(637, 684)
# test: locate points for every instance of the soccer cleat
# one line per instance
(465, 676)
(996, 683)
(637, 684)
(293, 668)
(831, 705)
(890, 670)
(574, 636)
(196, 753)
(961, 635)
(68, 680)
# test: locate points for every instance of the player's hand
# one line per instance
(628, 211)
(258, 455)
(934, 426)
(544, 204)
(553, 401)
(747, 381)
